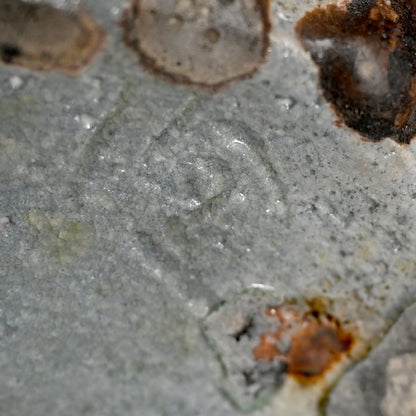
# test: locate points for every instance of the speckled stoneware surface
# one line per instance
(131, 210)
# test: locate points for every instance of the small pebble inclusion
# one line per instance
(208, 43)
(366, 53)
(44, 38)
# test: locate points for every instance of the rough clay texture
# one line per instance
(384, 383)
(400, 396)
(130, 207)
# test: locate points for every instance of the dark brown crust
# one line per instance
(387, 29)
(149, 64)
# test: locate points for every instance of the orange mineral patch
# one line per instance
(207, 43)
(41, 37)
(287, 351)
(308, 343)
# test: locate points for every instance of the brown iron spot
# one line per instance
(366, 53)
(42, 37)
(315, 341)
(207, 43)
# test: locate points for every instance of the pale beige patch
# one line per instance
(400, 398)
(209, 43)
(63, 239)
(41, 37)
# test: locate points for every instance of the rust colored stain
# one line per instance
(206, 43)
(41, 37)
(366, 53)
(308, 343)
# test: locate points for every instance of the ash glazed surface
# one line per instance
(133, 212)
